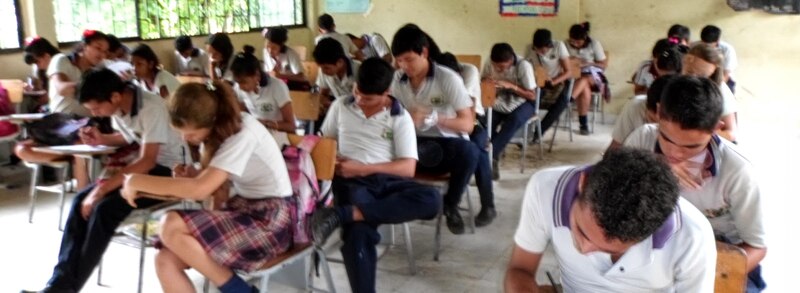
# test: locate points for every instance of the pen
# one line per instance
(183, 154)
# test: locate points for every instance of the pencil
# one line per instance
(183, 154)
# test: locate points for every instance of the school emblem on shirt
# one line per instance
(266, 108)
(437, 101)
(387, 134)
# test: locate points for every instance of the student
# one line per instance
(667, 58)
(252, 226)
(139, 118)
(711, 36)
(116, 50)
(338, 71)
(372, 45)
(442, 113)
(188, 59)
(713, 175)
(705, 61)
(516, 95)
(220, 56)
(327, 29)
(638, 111)
(616, 226)
(38, 53)
(279, 58)
(553, 56)
(65, 72)
(593, 62)
(373, 185)
(148, 72)
(266, 98)
(680, 33)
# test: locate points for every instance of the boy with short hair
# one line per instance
(553, 56)
(711, 35)
(327, 29)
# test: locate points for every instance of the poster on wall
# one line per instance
(769, 6)
(541, 8)
(346, 6)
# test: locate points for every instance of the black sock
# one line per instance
(583, 120)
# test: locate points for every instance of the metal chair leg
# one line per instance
(326, 270)
(412, 264)
(471, 212)
(33, 191)
(100, 273)
(142, 250)
(524, 147)
(64, 180)
(539, 134)
(437, 236)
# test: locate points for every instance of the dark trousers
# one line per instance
(382, 199)
(554, 111)
(483, 172)
(509, 123)
(84, 241)
(448, 155)
(731, 84)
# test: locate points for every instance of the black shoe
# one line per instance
(485, 217)
(495, 170)
(535, 139)
(323, 222)
(49, 290)
(454, 222)
(584, 130)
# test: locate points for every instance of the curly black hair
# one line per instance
(631, 193)
(692, 102)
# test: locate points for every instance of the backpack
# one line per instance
(305, 188)
(6, 127)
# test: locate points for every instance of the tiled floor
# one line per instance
(469, 263)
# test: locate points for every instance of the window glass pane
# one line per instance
(9, 26)
(267, 13)
(117, 17)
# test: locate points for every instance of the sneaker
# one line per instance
(454, 222)
(323, 223)
(584, 130)
(485, 217)
(495, 170)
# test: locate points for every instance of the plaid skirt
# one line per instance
(247, 233)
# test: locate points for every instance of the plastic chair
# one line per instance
(731, 275)
(537, 120)
(471, 59)
(62, 164)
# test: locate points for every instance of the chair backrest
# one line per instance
(323, 155)
(731, 269)
(575, 67)
(189, 79)
(15, 88)
(471, 59)
(540, 74)
(301, 50)
(306, 105)
(488, 93)
(311, 70)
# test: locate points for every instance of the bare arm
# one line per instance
(639, 89)
(199, 187)
(566, 72)
(754, 255)
(729, 127)
(464, 121)
(602, 63)
(287, 124)
(142, 165)
(63, 86)
(403, 167)
(521, 271)
(294, 77)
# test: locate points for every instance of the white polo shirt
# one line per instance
(592, 53)
(472, 82)
(267, 102)
(197, 63)
(290, 62)
(442, 91)
(679, 257)
(384, 137)
(340, 87)
(148, 122)
(254, 162)
(633, 115)
(58, 103)
(645, 74)
(730, 197)
(163, 78)
(730, 61)
(376, 46)
(551, 59)
(347, 44)
(520, 74)
(729, 105)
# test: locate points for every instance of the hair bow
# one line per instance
(30, 40)
(673, 40)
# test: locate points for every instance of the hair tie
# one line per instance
(210, 86)
(30, 40)
(673, 40)
(665, 54)
(88, 33)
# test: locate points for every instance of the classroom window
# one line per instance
(115, 17)
(267, 13)
(9, 25)
(171, 18)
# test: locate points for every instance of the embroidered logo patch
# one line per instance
(387, 134)
(266, 108)
(437, 101)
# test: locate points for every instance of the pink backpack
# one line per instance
(305, 189)
(6, 127)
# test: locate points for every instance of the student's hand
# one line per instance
(349, 168)
(418, 115)
(548, 85)
(505, 84)
(90, 201)
(129, 193)
(90, 135)
(685, 178)
(184, 171)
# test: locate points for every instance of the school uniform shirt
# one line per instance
(376, 46)
(645, 74)
(472, 81)
(521, 74)
(197, 63)
(61, 63)
(442, 91)
(550, 60)
(267, 101)
(633, 115)
(254, 162)
(340, 87)
(163, 78)
(679, 257)
(730, 61)
(592, 53)
(148, 122)
(347, 44)
(729, 105)
(290, 62)
(384, 137)
(729, 197)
